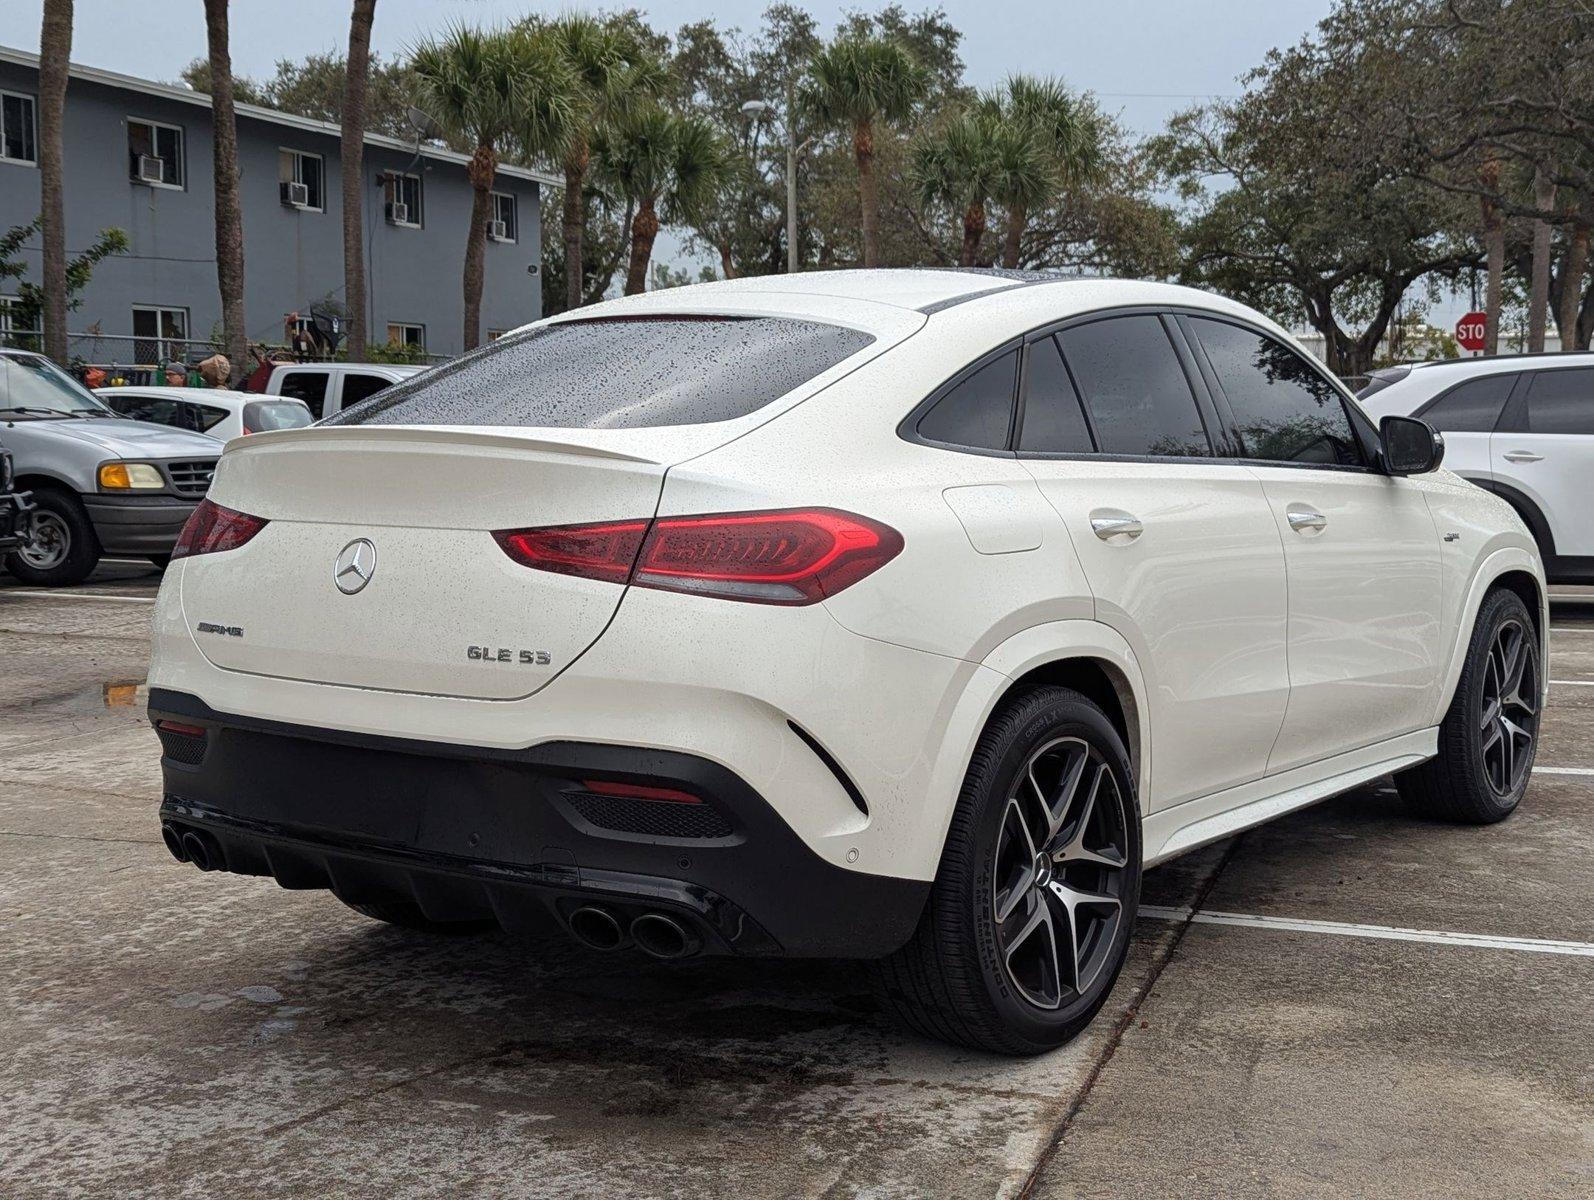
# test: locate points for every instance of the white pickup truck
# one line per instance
(327, 388)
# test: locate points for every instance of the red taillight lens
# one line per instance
(791, 556)
(638, 791)
(212, 528)
(605, 551)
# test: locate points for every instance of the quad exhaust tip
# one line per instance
(201, 850)
(596, 928)
(663, 937)
(173, 838)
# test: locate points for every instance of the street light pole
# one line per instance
(791, 178)
(755, 109)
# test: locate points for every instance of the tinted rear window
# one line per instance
(617, 373)
(1139, 399)
(1471, 407)
(977, 411)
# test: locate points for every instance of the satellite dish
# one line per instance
(421, 122)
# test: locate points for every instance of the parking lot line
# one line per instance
(1572, 628)
(1563, 770)
(1435, 937)
(1572, 683)
(43, 595)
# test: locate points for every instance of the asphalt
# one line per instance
(168, 1033)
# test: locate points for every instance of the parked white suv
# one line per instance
(903, 615)
(1521, 426)
(220, 413)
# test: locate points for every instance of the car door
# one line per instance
(1360, 548)
(1544, 449)
(1180, 550)
(310, 386)
(1467, 414)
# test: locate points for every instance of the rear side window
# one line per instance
(1471, 407)
(617, 373)
(309, 386)
(1285, 410)
(1054, 422)
(261, 415)
(203, 417)
(977, 411)
(1130, 379)
(358, 385)
(1561, 402)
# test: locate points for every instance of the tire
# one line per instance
(1487, 741)
(65, 550)
(408, 916)
(973, 978)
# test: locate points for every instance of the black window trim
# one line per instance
(1207, 397)
(908, 427)
(1079, 399)
(1514, 412)
(1511, 394)
(1231, 423)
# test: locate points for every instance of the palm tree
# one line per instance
(229, 213)
(613, 75)
(489, 87)
(356, 77)
(657, 160)
(55, 53)
(857, 82)
(1056, 142)
(964, 160)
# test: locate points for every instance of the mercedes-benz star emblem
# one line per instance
(355, 565)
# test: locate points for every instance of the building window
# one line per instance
(403, 196)
(155, 153)
(300, 177)
(11, 328)
(17, 138)
(400, 333)
(162, 333)
(494, 334)
(501, 226)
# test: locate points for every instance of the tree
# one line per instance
(1059, 143)
(229, 212)
(1307, 222)
(355, 88)
(27, 308)
(957, 164)
(668, 165)
(317, 85)
(612, 75)
(489, 88)
(55, 56)
(859, 82)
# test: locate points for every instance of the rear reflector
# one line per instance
(175, 727)
(211, 528)
(638, 791)
(788, 556)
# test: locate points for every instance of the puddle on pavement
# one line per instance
(111, 693)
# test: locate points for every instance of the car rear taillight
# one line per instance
(788, 556)
(212, 528)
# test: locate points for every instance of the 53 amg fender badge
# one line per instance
(526, 658)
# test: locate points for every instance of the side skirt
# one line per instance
(1196, 823)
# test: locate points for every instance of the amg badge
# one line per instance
(224, 630)
(531, 658)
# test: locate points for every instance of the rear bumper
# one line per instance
(467, 832)
(138, 525)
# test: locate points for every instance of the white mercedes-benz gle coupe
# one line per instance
(899, 615)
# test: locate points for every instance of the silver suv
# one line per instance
(101, 485)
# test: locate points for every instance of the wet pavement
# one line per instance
(169, 1033)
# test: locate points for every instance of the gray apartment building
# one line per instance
(138, 158)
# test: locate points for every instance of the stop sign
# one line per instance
(1470, 330)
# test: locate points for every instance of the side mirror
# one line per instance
(1408, 446)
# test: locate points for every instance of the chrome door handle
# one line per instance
(1109, 524)
(1522, 456)
(1304, 520)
